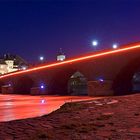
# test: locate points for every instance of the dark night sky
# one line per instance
(33, 28)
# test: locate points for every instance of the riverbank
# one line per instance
(114, 118)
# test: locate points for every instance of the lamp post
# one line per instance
(94, 44)
(41, 59)
(115, 46)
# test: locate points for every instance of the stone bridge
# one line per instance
(120, 68)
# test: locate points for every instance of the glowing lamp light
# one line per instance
(43, 101)
(41, 86)
(41, 58)
(101, 80)
(114, 46)
(95, 43)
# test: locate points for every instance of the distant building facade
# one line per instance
(10, 63)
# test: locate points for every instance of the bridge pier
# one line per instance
(7, 89)
(100, 88)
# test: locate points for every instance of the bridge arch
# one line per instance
(23, 85)
(1, 84)
(136, 82)
(124, 80)
(59, 81)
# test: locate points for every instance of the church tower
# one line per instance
(61, 56)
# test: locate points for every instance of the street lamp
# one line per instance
(101, 79)
(114, 46)
(41, 58)
(41, 86)
(94, 44)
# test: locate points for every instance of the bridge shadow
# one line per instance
(59, 82)
(23, 85)
(124, 82)
(1, 84)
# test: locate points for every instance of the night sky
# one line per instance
(34, 28)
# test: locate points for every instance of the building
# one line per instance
(10, 63)
(61, 56)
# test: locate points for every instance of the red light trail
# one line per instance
(71, 61)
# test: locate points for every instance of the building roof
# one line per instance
(17, 59)
(2, 62)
